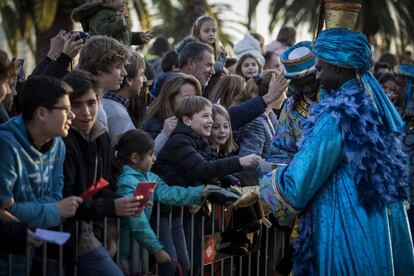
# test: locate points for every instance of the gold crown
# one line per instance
(341, 14)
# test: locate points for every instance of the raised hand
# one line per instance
(277, 86)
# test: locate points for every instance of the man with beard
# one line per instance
(348, 180)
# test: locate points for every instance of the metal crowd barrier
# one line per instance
(271, 254)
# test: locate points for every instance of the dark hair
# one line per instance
(390, 59)
(193, 51)
(81, 82)
(169, 60)
(287, 35)
(40, 91)
(190, 106)
(380, 65)
(160, 46)
(7, 69)
(137, 106)
(230, 61)
(133, 141)
(242, 59)
(383, 78)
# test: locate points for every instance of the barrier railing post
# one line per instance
(240, 266)
(76, 247)
(105, 232)
(10, 265)
(27, 261)
(192, 246)
(44, 259)
(61, 253)
(158, 229)
(202, 245)
(267, 248)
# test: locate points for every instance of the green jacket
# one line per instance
(97, 19)
(138, 226)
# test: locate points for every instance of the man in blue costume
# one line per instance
(348, 180)
(299, 63)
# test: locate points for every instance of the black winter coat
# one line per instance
(183, 161)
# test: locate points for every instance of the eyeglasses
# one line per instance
(67, 109)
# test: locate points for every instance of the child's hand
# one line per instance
(128, 206)
(169, 125)
(250, 161)
(206, 191)
(162, 257)
(277, 87)
(145, 36)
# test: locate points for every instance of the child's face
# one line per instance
(249, 68)
(220, 131)
(201, 122)
(144, 164)
(112, 79)
(85, 108)
(208, 32)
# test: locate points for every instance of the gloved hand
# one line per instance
(248, 196)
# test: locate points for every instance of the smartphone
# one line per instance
(145, 189)
(21, 76)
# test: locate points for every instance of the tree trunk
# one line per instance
(193, 9)
(62, 21)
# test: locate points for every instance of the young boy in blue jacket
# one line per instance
(32, 155)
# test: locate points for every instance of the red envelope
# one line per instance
(94, 188)
(145, 189)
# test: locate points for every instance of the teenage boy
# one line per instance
(115, 103)
(89, 158)
(32, 156)
(182, 161)
(105, 58)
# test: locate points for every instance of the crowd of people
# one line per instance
(316, 139)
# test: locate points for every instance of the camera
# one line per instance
(82, 35)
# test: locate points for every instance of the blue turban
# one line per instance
(349, 49)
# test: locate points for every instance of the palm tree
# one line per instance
(35, 22)
(391, 19)
(175, 18)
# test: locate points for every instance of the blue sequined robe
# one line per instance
(288, 132)
(349, 226)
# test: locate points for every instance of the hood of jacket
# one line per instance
(16, 128)
(84, 12)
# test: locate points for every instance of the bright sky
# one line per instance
(262, 19)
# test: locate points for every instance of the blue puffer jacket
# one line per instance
(138, 226)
